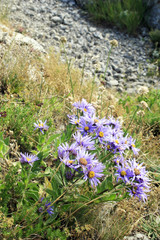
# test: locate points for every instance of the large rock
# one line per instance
(153, 17)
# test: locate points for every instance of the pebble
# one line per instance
(48, 20)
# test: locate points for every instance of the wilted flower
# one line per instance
(63, 39)
(140, 113)
(114, 43)
(41, 125)
(28, 158)
(144, 104)
(143, 90)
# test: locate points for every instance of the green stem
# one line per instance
(69, 71)
(131, 121)
(107, 62)
(83, 70)
(26, 185)
(93, 81)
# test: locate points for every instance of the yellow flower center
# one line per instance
(116, 141)
(123, 173)
(28, 159)
(91, 174)
(40, 124)
(108, 146)
(96, 120)
(85, 109)
(136, 171)
(86, 128)
(126, 142)
(101, 134)
(70, 161)
(83, 161)
(133, 145)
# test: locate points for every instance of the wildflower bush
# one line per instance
(126, 14)
(92, 162)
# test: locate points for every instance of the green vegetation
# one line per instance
(45, 199)
(126, 14)
(155, 36)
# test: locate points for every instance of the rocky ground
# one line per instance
(87, 44)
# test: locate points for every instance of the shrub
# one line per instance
(126, 14)
(155, 36)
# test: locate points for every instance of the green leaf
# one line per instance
(32, 194)
(105, 185)
(6, 141)
(1, 145)
(111, 197)
(51, 138)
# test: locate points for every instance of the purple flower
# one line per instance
(47, 208)
(132, 146)
(103, 134)
(85, 127)
(85, 159)
(85, 107)
(41, 126)
(134, 174)
(115, 124)
(92, 174)
(69, 175)
(28, 158)
(65, 150)
(67, 161)
(119, 160)
(138, 190)
(73, 119)
(124, 172)
(84, 141)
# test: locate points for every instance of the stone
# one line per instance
(56, 19)
(3, 36)
(115, 68)
(21, 39)
(86, 40)
(112, 83)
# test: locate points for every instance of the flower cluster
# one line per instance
(135, 176)
(106, 134)
(77, 157)
(106, 131)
